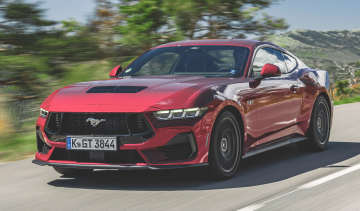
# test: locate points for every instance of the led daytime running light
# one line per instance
(180, 113)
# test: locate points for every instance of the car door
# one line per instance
(275, 100)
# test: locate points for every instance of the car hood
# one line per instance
(131, 94)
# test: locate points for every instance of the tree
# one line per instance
(143, 21)
(33, 51)
(357, 75)
(73, 42)
(150, 22)
(342, 88)
(223, 18)
(22, 24)
(24, 75)
(104, 23)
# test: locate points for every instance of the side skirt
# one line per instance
(273, 146)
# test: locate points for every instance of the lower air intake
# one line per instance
(116, 157)
(181, 148)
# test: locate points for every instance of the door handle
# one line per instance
(294, 88)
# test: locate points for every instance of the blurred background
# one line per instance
(45, 45)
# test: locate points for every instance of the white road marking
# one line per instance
(260, 205)
(251, 207)
(330, 177)
(308, 185)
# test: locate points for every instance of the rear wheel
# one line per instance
(72, 171)
(225, 147)
(319, 129)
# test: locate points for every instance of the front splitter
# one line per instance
(119, 167)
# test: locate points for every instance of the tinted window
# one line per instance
(225, 59)
(160, 64)
(191, 60)
(290, 62)
(268, 56)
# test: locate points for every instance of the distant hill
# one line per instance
(322, 49)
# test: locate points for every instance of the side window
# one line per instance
(290, 62)
(265, 56)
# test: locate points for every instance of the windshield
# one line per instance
(190, 60)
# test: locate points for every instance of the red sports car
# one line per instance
(185, 104)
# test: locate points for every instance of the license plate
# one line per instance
(91, 143)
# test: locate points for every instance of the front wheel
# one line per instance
(225, 147)
(319, 129)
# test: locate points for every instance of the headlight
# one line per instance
(180, 113)
(43, 113)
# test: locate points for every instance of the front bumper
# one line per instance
(119, 167)
(149, 154)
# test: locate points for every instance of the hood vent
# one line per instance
(116, 89)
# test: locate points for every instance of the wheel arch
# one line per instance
(326, 97)
(236, 113)
(328, 100)
(320, 93)
(239, 117)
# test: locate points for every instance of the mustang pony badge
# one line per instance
(95, 122)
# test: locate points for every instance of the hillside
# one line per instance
(323, 49)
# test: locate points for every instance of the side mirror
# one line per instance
(270, 70)
(115, 72)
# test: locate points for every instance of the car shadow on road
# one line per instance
(269, 167)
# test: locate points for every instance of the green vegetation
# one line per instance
(347, 100)
(150, 22)
(17, 146)
(357, 75)
(85, 71)
(345, 93)
(342, 88)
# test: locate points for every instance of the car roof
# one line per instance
(232, 42)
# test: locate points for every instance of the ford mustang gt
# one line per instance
(185, 104)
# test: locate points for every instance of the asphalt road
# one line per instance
(284, 179)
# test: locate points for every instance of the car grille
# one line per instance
(116, 124)
(79, 124)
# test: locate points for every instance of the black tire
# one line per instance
(72, 171)
(225, 147)
(319, 130)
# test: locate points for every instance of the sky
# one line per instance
(319, 14)
(299, 14)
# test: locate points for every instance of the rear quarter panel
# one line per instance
(315, 83)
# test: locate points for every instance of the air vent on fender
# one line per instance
(116, 89)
